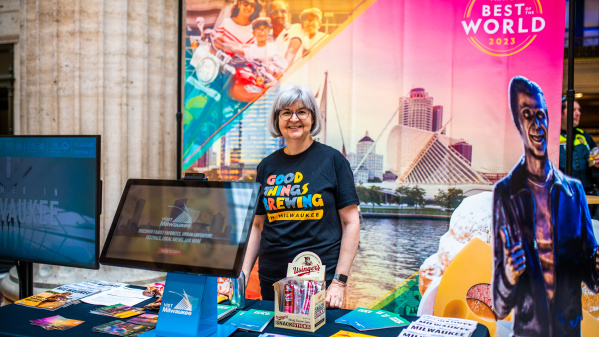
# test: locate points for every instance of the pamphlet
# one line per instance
(144, 319)
(343, 333)
(123, 295)
(118, 311)
(56, 323)
(366, 319)
(428, 325)
(224, 310)
(66, 295)
(121, 328)
(252, 320)
(270, 334)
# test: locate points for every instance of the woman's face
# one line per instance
(311, 24)
(246, 7)
(295, 128)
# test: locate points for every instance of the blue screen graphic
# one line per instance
(48, 199)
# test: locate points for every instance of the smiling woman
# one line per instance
(308, 200)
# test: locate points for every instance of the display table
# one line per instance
(14, 321)
(592, 199)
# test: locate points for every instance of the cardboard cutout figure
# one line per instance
(544, 245)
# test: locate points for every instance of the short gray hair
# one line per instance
(288, 95)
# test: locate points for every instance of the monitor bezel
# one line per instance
(98, 193)
(170, 267)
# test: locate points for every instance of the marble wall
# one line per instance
(98, 67)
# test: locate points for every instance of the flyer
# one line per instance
(366, 319)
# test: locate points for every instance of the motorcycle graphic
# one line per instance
(220, 84)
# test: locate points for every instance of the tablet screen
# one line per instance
(182, 226)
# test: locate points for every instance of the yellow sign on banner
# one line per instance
(296, 215)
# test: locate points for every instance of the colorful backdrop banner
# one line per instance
(414, 93)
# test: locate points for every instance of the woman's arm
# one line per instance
(350, 225)
(251, 254)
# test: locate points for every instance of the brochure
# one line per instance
(224, 310)
(270, 334)
(65, 295)
(252, 320)
(428, 325)
(121, 328)
(144, 319)
(56, 323)
(343, 333)
(366, 319)
(118, 311)
(122, 295)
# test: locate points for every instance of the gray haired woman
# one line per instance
(308, 200)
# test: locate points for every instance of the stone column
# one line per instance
(98, 67)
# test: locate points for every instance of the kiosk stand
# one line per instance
(193, 229)
(188, 308)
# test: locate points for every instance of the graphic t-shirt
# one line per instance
(301, 196)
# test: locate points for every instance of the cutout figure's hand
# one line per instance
(514, 261)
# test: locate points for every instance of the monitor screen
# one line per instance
(50, 199)
(188, 226)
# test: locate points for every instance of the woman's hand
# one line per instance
(335, 294)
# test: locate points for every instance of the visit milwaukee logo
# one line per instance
(301, 271)
(503, 28)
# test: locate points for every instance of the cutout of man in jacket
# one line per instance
(544, 245)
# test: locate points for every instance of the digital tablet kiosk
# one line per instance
(186, 226)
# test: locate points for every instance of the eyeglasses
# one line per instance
(301, 114)
(247, 3)
(277, 11)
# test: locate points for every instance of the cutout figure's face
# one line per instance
(532, 116)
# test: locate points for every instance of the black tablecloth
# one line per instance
(14, 321)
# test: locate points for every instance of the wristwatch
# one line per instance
(341, 278)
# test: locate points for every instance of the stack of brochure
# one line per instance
(120, 328)
(224, 310)
(68, 294)
(252, 320)
(367, 319)
(118, 311)
(428, 325)
(343, 333)
(145, 319)
(56, 323)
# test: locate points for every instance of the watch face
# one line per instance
(341, 278)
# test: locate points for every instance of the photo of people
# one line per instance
(238, 50)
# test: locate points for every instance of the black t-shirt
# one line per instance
(300, 196)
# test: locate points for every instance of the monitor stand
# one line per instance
(188, 308)
(25, 272)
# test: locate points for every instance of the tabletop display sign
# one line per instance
(300, 297)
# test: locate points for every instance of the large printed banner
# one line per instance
(414, 93)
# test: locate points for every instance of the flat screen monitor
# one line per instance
(50, 198)
(188, 226)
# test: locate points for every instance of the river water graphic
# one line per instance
(390, 251)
